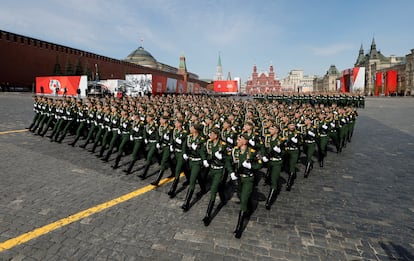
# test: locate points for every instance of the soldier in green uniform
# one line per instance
(136, 135)
(112, 130)
(37, 110)
(194, 152)
(95, 119)
(323, 138)
(293, 139)
(81, 120)
(309, 132)
(124, 129)
(273, 146)
(165, 132)
(216, 157)
(104, 121)
(150, 139)
(49, 117)
(179, 137)
(69, 119)
(244, 162)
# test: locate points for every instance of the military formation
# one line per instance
(225, 145)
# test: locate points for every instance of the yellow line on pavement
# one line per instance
(12, 131)
(78, 216)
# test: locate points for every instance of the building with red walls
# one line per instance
(264, 83)
(24, 58)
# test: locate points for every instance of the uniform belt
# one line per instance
(291, 148)
(309, 141)
(138, 138)
(125, 132)
(216, 167)
(178, 150)
(275, 159)
(152, 141)
(115, 129)
(246, 175)
(324, 135)
(195, 159)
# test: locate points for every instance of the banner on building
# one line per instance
(225, 87)
(62, 85)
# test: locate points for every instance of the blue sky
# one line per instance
(290, 34)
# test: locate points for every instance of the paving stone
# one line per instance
(357, 207)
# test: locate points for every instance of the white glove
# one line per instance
(119, 131)
(294, 140)
(332, 124)
(251, 142)
(171, 148)
(311, 133)
(277, 149)
(298, 125)
(166, 137)
(205, 163)
(218, 155)
(230, 140)
(265, 159)
(131, 138)
(185, 157)
(343, 120)
(232, 128)
(194, 146)
(247, 165)
(233, 176)
(142, 118)
(136, 129)
(158, 146)
(178, 140)
(150, 132)
(324, 127)
(146, 141)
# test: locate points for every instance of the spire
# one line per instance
(361, 50)
(373, 45)
(219, 69)
(228, 76)
(182, 63)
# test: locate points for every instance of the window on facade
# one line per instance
(14, 38)
(8, 37)
(22, 40)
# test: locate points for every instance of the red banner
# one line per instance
(225, 86)
(60, 85)
(391, 82)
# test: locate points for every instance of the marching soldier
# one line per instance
(244, 162)
(136, 135)
(124, 129)
(292, 137)
(273, 147)
(163, 144)
(150, 139)
(216, 157)
(81, 120)
(114, 131)
(179, 137)
(309, 132)
(94, 119)
(323, 138)
(194, 152)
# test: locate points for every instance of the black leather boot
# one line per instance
(289, 181)
(269, 198)
(186, 205)
(74, 142)
(116, 164)
(155, 182)
(239, 227)
(171, 193)
(94, 147)
(131, 165)
(309, 167)
(207, 218)
(144, 174)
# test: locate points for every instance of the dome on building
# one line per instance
(142, 57)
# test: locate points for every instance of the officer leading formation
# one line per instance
(225, 145)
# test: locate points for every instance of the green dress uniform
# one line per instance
(48, 118)
(244, 165)
(150, 139)
(178, 145)
(309, 133)
(216, 157)
(81, 120)
(343, 130)
(116, 133)
(92, 121)
(37, 108)
(273, 146)
(194, 151)
(124, 127)
(163, 144)
(352, 119)
(322, 140)
(110, 130)
(136, 135)
(59, 114)
(293, 140)
(103, 119)
(230, 138)
(334, 133)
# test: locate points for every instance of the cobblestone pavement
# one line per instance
(358, 207)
